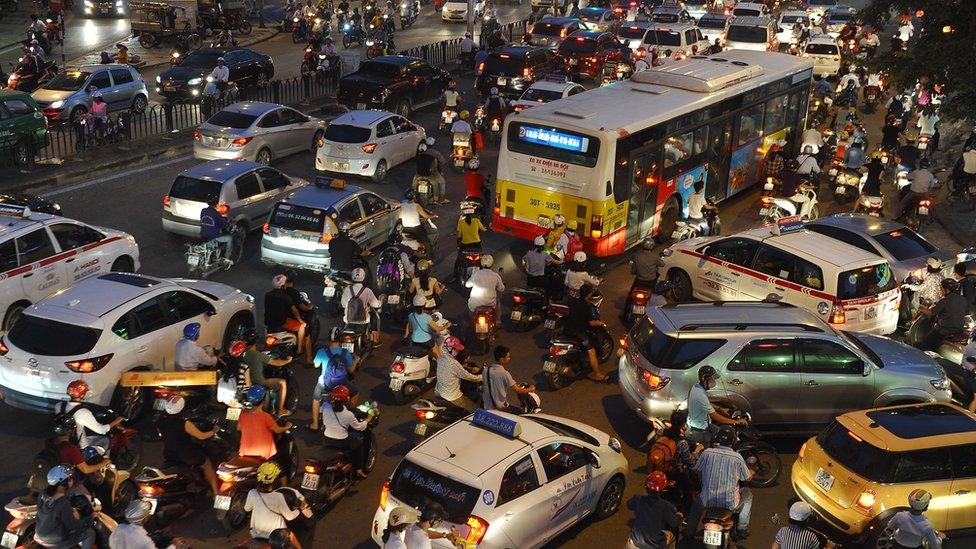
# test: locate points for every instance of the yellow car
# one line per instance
(859, 471)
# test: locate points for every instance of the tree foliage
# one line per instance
(941, 52)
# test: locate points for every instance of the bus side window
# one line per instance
(776, 113)
(750, 124)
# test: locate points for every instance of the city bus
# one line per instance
(622, 159)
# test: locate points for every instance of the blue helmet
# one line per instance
(192, 331)
(59, 474)
(92, 454)
(255, 394)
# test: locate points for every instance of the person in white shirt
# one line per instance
(906, 31)
(806, 162)
(485, 285)
(418, 535)
(220, 74)
(926, 124)
(399, 521)
(969, 162)
(450, 372)
(847, 79)
(467, 44)
(89, 430)
(268, 508)
(309, 9)
(338, 420)
(696, 203)
(189, 354)
(576, 275)
(812, 138)
(461, 125)
(133, 535)
(362, 292)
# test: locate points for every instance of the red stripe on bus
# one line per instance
(58, 257)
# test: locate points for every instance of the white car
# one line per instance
(817, 8)
(507, 480)
(631, 33)
(682, 39)
(457, 12)
(787, 20)
(41, 254)
(106, 326)
(825, 54)
(750, 9)
(544, 91)
(368, 143)
(600, 18)
(714, 25)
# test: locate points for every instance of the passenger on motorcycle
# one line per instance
(656, 521)
(796, 535)
(343, 430)
(268, 508)
(131, 534)
(338, 368)
(421, 326)
(822, 88)
(854, 157)
(345, 254)
(475, 182)
(179, 435)
(580, 322)
(775, 160)
(430, 166)
(922, 184)
(95, 482)
(577, 276)
(401, 519)
(364, 313)
(258, 428)
(281, 313)
(723, 472)
(908, 154)
(68, 452)
(461, 126)
(806, 162)
(500, 389)
(697, 204)
(190, 355)
(555, 234)
(412, 216)
(214, 226)
(949, 314)
(469, 229)
(58, 524)
(89, 430)
(305, 308)
(704, 417)
(328, 49)
(674, 455)
(450, 373)
(911, 529)
(467, 48)
(569, 241)
(258, 364)
(423, 284)
(875, 169)
(536, 261)
(485, 286)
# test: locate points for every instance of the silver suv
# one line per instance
(66, 97)
(785, 366)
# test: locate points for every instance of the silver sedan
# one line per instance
(261, 132)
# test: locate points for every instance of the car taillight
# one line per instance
(241, 141)
(865, 501)
(398, 367)
(654, 382)
(3, 348)
(425, 414)
(837, 314)
(311, 468)
(517, 298)
(150, 490)
(384, 494)
(89, 364)
(197, 135)
(223, 209)
(526, 72)
(639, 297)
(166, 201)
(266, 228)
(478, 527)
(368, 148)
(596, 226)
(803, 450)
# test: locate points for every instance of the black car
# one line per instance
(512, 69)
(395, 83)
(188, 79)
(33, 202)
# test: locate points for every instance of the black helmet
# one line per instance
(65, 426)
(950, 285)
(280, 539)
(725, 436)
(585, 291)
(924, 163)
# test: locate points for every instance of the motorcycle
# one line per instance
(296, 30)
(568, 361)
(392, 281)
(685, 230)
(356, 339)
(635, 306)
(330, 476)
(462, 150)
(407, 16)
(448, 117)
(555, 314)
(352, 33)
(494, 126)
(772, 187)
(871, 94)
(871, 205)
(847, 184)
(329, 66)
(425, 191)
(335, 284)
(206, 258)
(484, 329)
(411, 373)
(375, 48)
(803, 203)
(918, 215)
(467, 260)
(309, 63)
(529, 307)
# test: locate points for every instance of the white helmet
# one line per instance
(558, 220)
(800, 511)
(487, 261)
(919, 500)
(358, 274)
(429, 141)
(174, 405)
(579, 257)
(539, 241)
(419, 301)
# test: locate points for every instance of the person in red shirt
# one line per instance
(475, 182)
(258, 427)
(68, 452)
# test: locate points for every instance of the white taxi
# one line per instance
(41, 254)
(825, 53)
(503, 480)
(846, 286)
(543, 91)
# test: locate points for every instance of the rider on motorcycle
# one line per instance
(281, 314)
(875, 169)
(922, 184)
(796, 535)
(580, 322)
(450, 373)
(645, 265)
(359, 290)
(854, 157)
(412, 217)
(452, 97)
(179, 435)
(328, 49)
(500, 390)
(189, 354)
(655, 519)
(577, 276)
(704, 417)
(495, 106)
(338, 367)
(911, 529)
(268, 508)
(536, 262)
(343, 429)
(258, 363)
(89, 430)
(258, 428)
(949, 313)
(485, 285)
(723, 473)
(345, 254)
(58, 524)
(214, 226)
(131, 534)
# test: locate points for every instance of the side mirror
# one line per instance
(594, 460)
(867, 370)
(211, 311)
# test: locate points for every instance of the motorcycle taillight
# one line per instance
(347, 339)
(639, 297)
(473, 257)
(425, 414)
(398, 367)
(517, 298)
(558, 350)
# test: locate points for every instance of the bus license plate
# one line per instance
(222, 502)
(544, 222)
(639, 309)
(396, 384)
(233, 414)
(310, 481)
(824, 480)
(713, 537)
(9, 540)
(549, 366)
(516, 315)
(550, 324)
(328, 291)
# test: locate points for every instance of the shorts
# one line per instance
(321, 390)
(429, 344)
(292, 325)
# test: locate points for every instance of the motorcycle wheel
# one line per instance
(245, 27)
(767, 466)
(127, 456)
(346, 40)
(606, 349)
(371, 454)
(407, 393)
(556, 381)
(235, 517)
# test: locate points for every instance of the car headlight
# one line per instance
(159, 79)
(194, 81)
(941, 384)
(56, 105)
(667, 252)
(614, 444)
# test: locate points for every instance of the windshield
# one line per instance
(865, 282)
(662, 38)
(904, 244)
(297, 218)
(632, 32)
(68, 81)
(228, 119)
(535, 94)
(547, 29)
(201, 59)
(711, 23)
(822, 49)
(747, 34)
(197, 190)
(503, 63)
(40, 336)
(791, 19)
(590, 15)
(863, 459)
(377, 68)
(578, 45)
(422, 488)
(345, 133)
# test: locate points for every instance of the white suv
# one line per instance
(105, 326)
(681, 39)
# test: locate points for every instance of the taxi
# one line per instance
(825, 53)
(42, 253)
(503, 480)
(848, 287)
(555, 86)
(859, 471)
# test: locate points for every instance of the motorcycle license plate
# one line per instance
(360, 106)
(824, 480)
(516, 315)
(840, 189)
(153, 503)
(349, 346)
(922, 146)
(871, 97)
(676, 233)
(420, 429)
(763, 211)
(310, 481)
(768, 187)
(169, 88)
(422, 188)
(922, 210)
(550, 324)
(495, 127)
(884, 159)
(638, 309)
(222, 502)
(233, 414)
(713, 537)
(833, 172)
(870, 313)
(549, 366)
(393, 299)
(328, 291)
(572, 62)
(192, 260)
(396, 384)
(502, 81)
(9, 540)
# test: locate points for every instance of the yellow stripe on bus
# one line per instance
(528, 203)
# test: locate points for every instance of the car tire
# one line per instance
(403, 109)
(683, 290)
(236, 326)
(139, 104)
(609, 503)
(315, 140)
(13, 313)
(263, 156)
(380, 174)
(261, 80)
(76, 114)
(22, 153)
(130, 402)
(123, 264)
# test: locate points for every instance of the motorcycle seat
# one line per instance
(719, 514)
(171, 470)
(415, 351)
(567, 339)
(242, 462)
(529, 292)
(331, 455)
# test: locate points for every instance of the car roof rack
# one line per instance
(744, 326)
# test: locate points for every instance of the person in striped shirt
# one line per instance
(723, 473)
(795, 535)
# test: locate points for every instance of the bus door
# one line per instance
(644, 178)
(719, 156)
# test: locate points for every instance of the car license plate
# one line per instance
(169, 88)
(310, 481)
(422, 188)
(233, 414)
(222, 502)
(420, 429)
(502, 81)
(923, 210)
(9, 540)
(328, 291)
(153, 503)
(159, 404)
(870, 313)
(550, 324)
(396, 384)
(349, 346)
(763, 211)
(393, 299)
(841, 189)
(549, 366)
(516, 315)
(824, 480)
(360, 106)
(713, 537)
(544, 222)
(638, 309)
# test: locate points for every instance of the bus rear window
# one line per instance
(865, 282)
(554, 144)
(422, 488)
(754, 35)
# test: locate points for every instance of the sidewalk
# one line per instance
(13, 26)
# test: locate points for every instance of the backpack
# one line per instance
(355, 309)
(661, 455)
(44, 461)
(333, 373)
(574, 245)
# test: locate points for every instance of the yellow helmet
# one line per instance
(876, 154)
(910, 136)
(268, 472)
(844, 134)
(572, 225)
(465, 115)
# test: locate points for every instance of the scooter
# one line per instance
(803, 203)
(19, 532)
(448, 117)
(529, 307)
(425, 191)
(685, 230)
(772, 187)
(871, 205)
(327, 478)
(635, 306)
(847, 184)
(205, 258)
(335, 284)
(411, 373)
(484, 328)
(462, 149)
(392, 281)
(352, 33)
(494, 125)
(568, 361)
(356, 338)
(467, 261)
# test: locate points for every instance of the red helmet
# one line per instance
(237, 348)
(340, 393)
(656, 482)
(452, 84)
(77, 389)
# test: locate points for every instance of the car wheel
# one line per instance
(236, 327)
(22, 154)
(403, 109)
(263, 157)
(380, 174)
(129, 402)
(139, 104)
(261, 80)
(683, 290)
(613, 494)
(13, 313)
(122, 264)
(76, 114)
(316, 138)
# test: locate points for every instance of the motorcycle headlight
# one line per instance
(196, 81)
(56, 105)
(369, 43)
(159, 79)
(941, 384)
(347, 26)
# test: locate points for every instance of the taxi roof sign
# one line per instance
(787, 225)
(497, 424)
(15, 210)
(322, 181)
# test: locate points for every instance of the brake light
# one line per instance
(197, 135)
(526, 72)
(425, 414)
(639, 297)
(837, 314)
(311, 468)
(925, 202)
(266, 228)
(580, 39)
(241, 141)
(223, 209)
(654, 382)
(398, 367)
(89, 364)
(384, 494)
(865, 501)
(596, 226)
(164, 393)
(150, 490)
(478, 527)
(166, 201)
(270, 341)
(517, 298)
(368, 148)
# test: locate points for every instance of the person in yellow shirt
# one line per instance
(469, 229)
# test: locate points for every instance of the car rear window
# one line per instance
(536, 94)
(45, 337)
(345, 133)
(660, 349)
(236, 120)
(387, 70)
(422, 488)
(663, 38)
(707, 23)
(631, 32)
(791, 19)
(547, 29)
(861, 458)
(503, 63)
(822, 49)
(197, 190)
(578, 45)
(297, 218)
(746, 12)
(904, 244)
(865, 282)
(740, 33)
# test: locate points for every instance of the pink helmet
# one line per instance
(453, 343)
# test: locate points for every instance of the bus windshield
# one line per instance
(553, 143)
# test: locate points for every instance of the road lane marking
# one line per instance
(107, 178)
